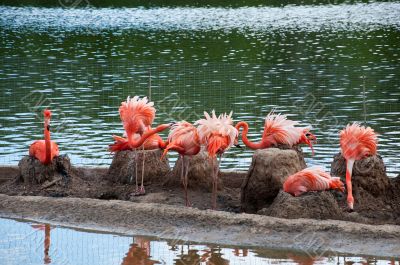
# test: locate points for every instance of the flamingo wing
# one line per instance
(38, 150)
(279, 130)
(311, 179)
(357, 141)
(136, 114)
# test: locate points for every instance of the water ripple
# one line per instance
(366, 16)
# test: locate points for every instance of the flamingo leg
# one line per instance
(188, 204)
(215, 184)
(216, 180)
(349, 170)
(142, 190)
(182, 172)
(136, 172)
(137, 190)
(213, 199)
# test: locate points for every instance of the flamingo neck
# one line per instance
(134, 143)
(349, 187)
(245, 140)
(305, 140)
(162, 144)
(47, 141)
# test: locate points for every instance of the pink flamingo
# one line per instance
(184, 139)
(278, 130)
(44, 150)
(218, 135)
(150, 140)
(137, 115)
(311, 179)
(356, 143)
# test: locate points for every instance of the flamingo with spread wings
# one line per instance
(311, 179)
(218, 135)
(185, 140)
(356, 143)
(278, 130)
(44, 150)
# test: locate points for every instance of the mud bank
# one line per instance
(189, 224)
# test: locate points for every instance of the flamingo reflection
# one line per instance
(46, 228)
(139, 253)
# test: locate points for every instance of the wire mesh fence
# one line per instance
(84, 96)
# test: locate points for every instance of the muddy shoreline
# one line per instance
(189, 224)
(87, 198)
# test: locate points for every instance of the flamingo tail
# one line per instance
(171, 146)
(120, 144)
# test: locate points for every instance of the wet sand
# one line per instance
(206, 226)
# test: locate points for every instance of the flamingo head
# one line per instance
(310, 136)
(47, 113)
(236, 142)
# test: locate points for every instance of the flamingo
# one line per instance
(44, 150)
(150, 140)
(218, 135)
(356, 143)
(184, 139)
(137, 116)
(278, 130)
(311, 179)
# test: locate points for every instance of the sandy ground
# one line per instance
(206, 226)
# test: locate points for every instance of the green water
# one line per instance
(32, 243)
(310, 60)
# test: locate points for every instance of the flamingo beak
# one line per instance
(238, 145)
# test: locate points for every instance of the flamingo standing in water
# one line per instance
(311, 179)
(137, 116)
(218, 135)
(278, 130)
(44, 150)
(184, 139)
(356, 143)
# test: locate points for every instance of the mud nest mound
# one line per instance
(32, 171)
(315, 205)
(122, 169)
(199, 173)
(267, 173)
(57, 179)
(376, 195)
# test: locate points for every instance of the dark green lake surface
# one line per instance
(323, 65)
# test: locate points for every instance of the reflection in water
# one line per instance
(46, 247)
(240, 252)
(303, 259)
(191, 257)
(139, 253)
(23, 243)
